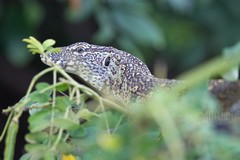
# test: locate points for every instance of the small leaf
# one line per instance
(62, 87)
(34, 110)
(40, 120)
(43, 114)
(62, 103)
(86, 114)
(75, 129)
(65, 124)
(48, 43)
(36, 148)
(39, 97)
(39, 126)
(30, 46)
(26, 40)
(36, 137)
(36, 43)
(54, 50)
(42, 85)
(34, 51)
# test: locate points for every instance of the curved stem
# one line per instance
(35, 78)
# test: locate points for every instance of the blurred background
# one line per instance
(170, 36)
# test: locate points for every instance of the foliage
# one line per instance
(62, 125)
(35, 46)
(183, 32)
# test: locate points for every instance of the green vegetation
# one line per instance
(62, 125)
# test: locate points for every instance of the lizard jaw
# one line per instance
(46, 60)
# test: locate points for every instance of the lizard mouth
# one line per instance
(52, 58)
(48, 60)
(45, 59)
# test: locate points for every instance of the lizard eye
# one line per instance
(107, 61)
(79, 50)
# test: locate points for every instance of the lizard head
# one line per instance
(105, 68)
(90, 62)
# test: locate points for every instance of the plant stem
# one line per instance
(53, 103)
(35, 78)
(6, 126)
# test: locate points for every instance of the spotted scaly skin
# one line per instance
(116, 72)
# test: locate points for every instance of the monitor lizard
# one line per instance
(116, 72)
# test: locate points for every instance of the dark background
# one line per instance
(176, 35)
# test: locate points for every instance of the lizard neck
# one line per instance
(131, 88)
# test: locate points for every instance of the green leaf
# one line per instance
(30, 46)
(36, 137)
(42, 85)
(36, 148)
(26, 40)
(62, 103)
(36, 43)
(86, 114)
(39, 126)
(34, 51)
(34, 110)
(48, 43)
(54, 50)
(75, 129)
(39, 97)
(62, 87)
(65, 124)
(40, 120)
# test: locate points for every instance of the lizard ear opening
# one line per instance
(107, 61)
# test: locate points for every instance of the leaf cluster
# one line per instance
(34, 46)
